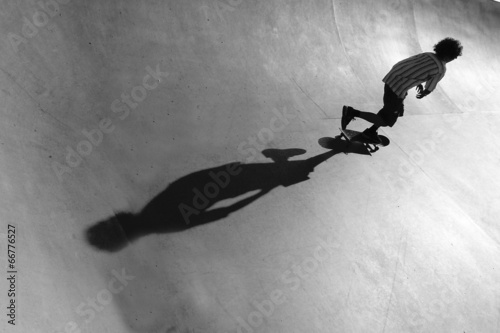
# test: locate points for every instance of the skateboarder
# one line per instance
(411, 72)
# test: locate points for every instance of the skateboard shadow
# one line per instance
(189, 201)
(343, 146)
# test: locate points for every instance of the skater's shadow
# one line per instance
(196, 198)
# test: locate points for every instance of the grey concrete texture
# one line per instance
(171, 166)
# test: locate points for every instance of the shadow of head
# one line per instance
(109, 235)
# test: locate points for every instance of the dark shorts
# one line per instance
(393, 107)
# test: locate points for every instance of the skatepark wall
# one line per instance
(104, 103)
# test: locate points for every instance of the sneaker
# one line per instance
(371, 135)
(347, 116)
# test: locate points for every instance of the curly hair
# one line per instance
(448, 48)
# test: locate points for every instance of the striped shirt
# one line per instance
(409, 73)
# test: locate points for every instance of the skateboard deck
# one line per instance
(371, 145)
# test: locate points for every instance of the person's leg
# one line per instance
(387, 116)
(373, 118)
(372, 132)
(349, 113)
(393, 106)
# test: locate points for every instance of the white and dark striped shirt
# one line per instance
(408, 73)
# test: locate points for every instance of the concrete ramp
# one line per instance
(173, 166)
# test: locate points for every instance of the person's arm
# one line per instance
(430, 85)
(421, 92)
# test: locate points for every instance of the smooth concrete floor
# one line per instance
(129, 108)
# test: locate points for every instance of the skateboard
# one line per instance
(371, 145)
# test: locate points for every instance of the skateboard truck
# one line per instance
(371, 145)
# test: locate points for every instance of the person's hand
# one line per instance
(421, 92)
